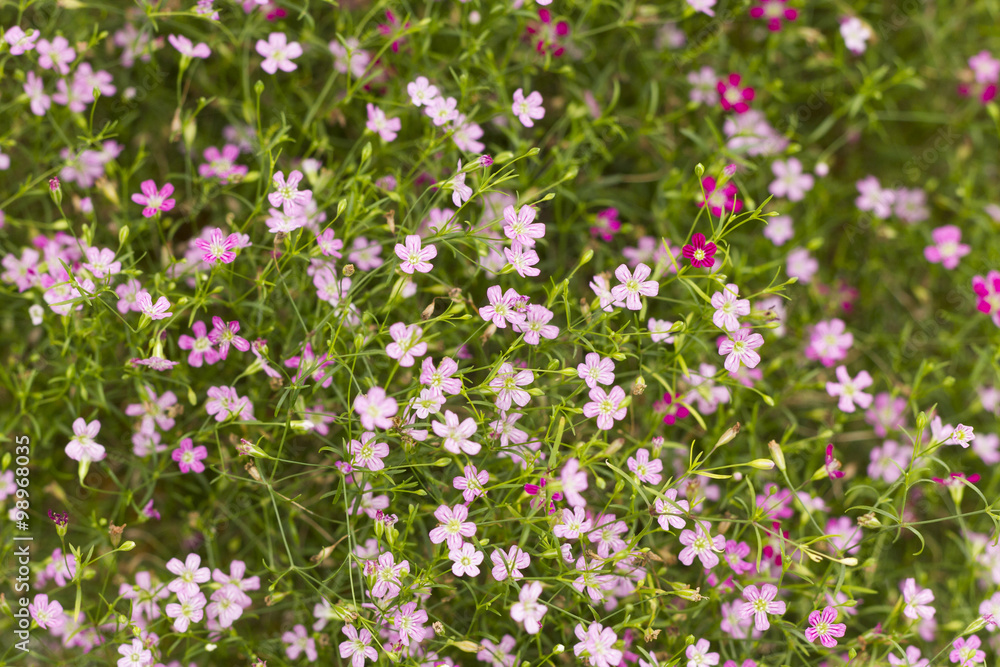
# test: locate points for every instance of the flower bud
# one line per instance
(728, 436)
(699, 170)
(777, 455)
(558, 648)
(127, 545)
(762, 464)
(55, 190)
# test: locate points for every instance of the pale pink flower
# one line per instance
(759, 603)
(456, 435)
(916, 600)
(606, 406)
(357, 647)
(452, 526)
(187, 48)
(157, 311)
(789, 180)
(850, 390)
(948, 248)
(856, 34)
(406, 343)
(189, 574)
(528, 109)
(465, 560)
(699, 542)
(528, 610)
(278, 53)
(375, 409)
(82, 446)
(414, 256)
(740, 348)
(596, 369)
(633, 284)
(729, 307)
(645, 469)
(509, 563)
(366, 453)
(502, 308)
(669, 512)
(385, 128)
(824, 627)
(507, 383)
(521, 227)
(421, 91)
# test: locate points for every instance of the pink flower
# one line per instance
(779, 229)
(912, 658)
(456, 435)
(81, 446)
(465, 560)
(547, 34)
(48, 614)
(773, 11)
(502, 309)
(634, 284)
(871, 197)
(509, 563)
(278, 53)
(286, 193)
(597, 645)
(507, 385)
(760, 603)
(917, 600)
(134, 655)
(824, 627)
(21, 42)
(298, 642)
(729, 308)
(528, 109)
(700, 543)
(889, 461)
(967, 652)
(829, 342)
(386, 128)
(574, 523)
(740, 350)
(188, 609)
(669, 512)
(528, 610)
(947, 248)
(886, 414)
(375, 409)
(421, 91)
(154, 201)
(188, 457)
(962, 435)
(415, 257)
(703, 6)
(409, 622)
(57, 54)
(471, 483)
(452, 526)
(790, 181)
(698, 654)
(367, 453)
(226, 404)
(522, 259)
(521, 227)
(218, 248)
(100, 262)
(606, 406)
(801, 265)
(224, 334)
(406, 343)
(856, 34)
(187, 48)
(606, 223)
(700, 252)
(442, 110)
(357, 647)
(659, 330)
(732, 96)
(157, 311)
(189, 574)
(440, 379)
(849, 390)
(536, 324)
(645, 469)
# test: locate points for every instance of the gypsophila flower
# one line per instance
(700, 543)
(633, 284)
(605, 406)
(597, 645)
(760, 603)
(415, 256)
(357, 647)
(698, 654)
(278, 53)
(850, 389)
(823, 626)
(528, 109)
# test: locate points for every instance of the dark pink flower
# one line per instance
(700, 252)
(773, 11)
(732, 96)
(547, 34)
(720, 200)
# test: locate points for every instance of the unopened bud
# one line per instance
(127, 545)
(467, 646)
(762, 464)
(558, 648)
(776, 455)
(699, 170)
(55, 190)
(869, 521)
(728, 436)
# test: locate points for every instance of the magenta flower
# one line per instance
(824, 627)
(849, 390)
(740, 350)
(368, 454)
(386, 128)
(548, 35)
(357, 647)
(606, 406)
(502, 308)
(452, 526)
(189, 457)
(832, 465)
(700, 543)
(415, 257)
(699, 252)
(773, 11)
(375, 409)
(218, 248)
(988, 292)
(633, 284)
(278, 53)
(154, 201)
(966, 651)
(720, 200)
(760, 603)
(528, 109)
(947, 248)
(732, 96)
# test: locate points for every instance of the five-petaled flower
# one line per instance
(700, 252)
(606, 406)
(528, 109)
(154, 201)
(414, 255)
(633, 284)
(759, 603)
(850, 389)
(823, 626)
